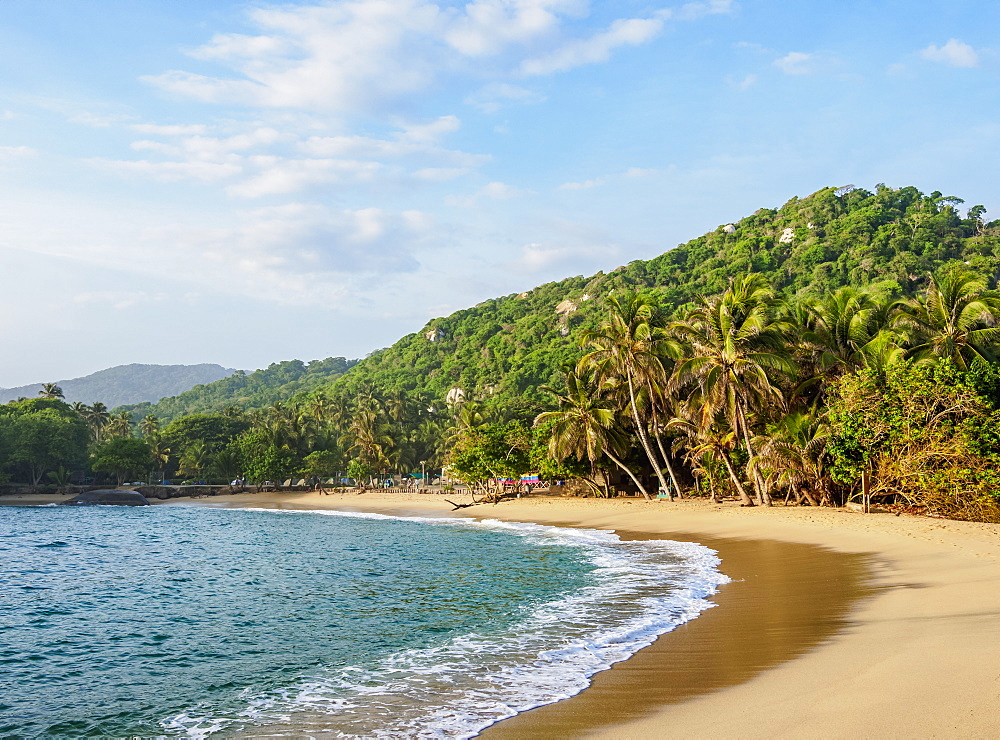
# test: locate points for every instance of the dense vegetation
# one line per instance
(840, 347)
(278, 382)
(127, 384)
(503, 350)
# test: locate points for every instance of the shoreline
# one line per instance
(914, 654)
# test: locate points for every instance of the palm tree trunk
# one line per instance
(659, 443)
(631, 475)
(744, 497)
(763, 497)
(643, 437)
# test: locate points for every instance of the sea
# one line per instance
(192, 621)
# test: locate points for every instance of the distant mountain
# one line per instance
(127, 384)
(278, 382)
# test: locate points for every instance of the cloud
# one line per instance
(16, 152)
(795, 63)
(640, 171)
(362, 56)
(304, 242)
(537, 257)
(492, 98)
(696, 10)
(154, 129)
(954, 53)
(585, 185)
(598, 48)
(262, 161)
(492, 191)
(93, 120)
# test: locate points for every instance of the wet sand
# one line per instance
(836, 625)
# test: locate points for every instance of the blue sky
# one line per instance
(245, 183)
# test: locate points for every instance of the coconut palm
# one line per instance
(955, 320)
(120, 425)
(627, 350)
(794, 455)
(708, 437)
(149, 425)
(585, 426)
(736, 350)
(842, 325)
(97, 418)
(51, 390)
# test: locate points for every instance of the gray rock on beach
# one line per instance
(107, 497)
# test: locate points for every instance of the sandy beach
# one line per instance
(836, 624)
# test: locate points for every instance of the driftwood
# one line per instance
(461, 506)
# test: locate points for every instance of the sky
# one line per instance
(244, 183)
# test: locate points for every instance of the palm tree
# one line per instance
(736, 348)
(585, 426)
(956, 320)
(120, 425)
(149, 425)
(51, 390)
(97, 418)
(844, 324)
(709, 437)
(794, 455)
(628, 349)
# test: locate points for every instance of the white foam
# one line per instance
(454, 690)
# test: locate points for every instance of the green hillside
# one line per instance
(506, 347)
(278, 382)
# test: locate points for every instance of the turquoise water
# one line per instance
(170, 620)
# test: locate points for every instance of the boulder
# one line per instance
(108, 497)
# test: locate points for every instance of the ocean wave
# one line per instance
(639, 591)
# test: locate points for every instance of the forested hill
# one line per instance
(126, 384)
(278, 382)
(504, 348)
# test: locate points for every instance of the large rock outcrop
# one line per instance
(108, 497)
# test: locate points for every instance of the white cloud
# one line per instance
(536, 257)
(493, 97)
(360, 56)
(954, 53)
(492, 191)
(640, 171)
(277, 175)
(598, 48)
(93, 120)
(154, 129)
(696, 10)
(441, 174)
(584, 185)
(795, 63)
(7, 115)
(16, 152)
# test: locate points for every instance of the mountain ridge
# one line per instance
(122, 384)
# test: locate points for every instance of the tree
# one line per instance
(51, 390)
(956, 319)
(41, 441)
(736, 349)
(491, 452)
(585, 426)
(262, 460)
(123, 457)
(630, 346)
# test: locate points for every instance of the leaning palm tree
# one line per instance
(628, 350)
(585, 426)
(956, 320)
(736, 351)
(794, 454)
(708, 440)
(51, 390)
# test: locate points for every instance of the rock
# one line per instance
(108, 497)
